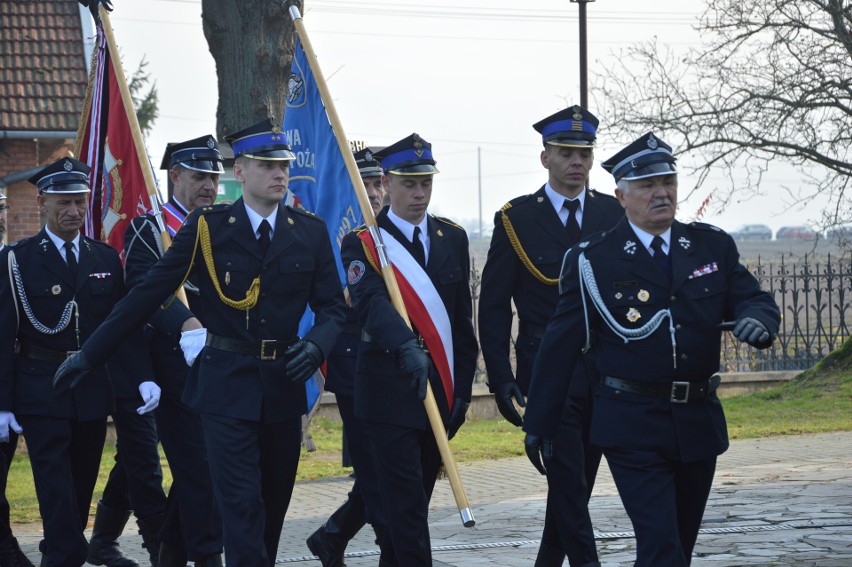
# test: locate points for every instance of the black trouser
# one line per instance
(407, 462)
(65, 456)
(253, 468)
(665, 500)
(7, 452)
(570, 479)
(136, 479)
(366, 485)
(192, 522)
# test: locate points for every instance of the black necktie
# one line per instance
(661, 258)
(71, 259)
(264, 230)
(571, 225)
(417, 247)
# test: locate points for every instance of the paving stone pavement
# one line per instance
(780, 501)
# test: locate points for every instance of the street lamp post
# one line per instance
(584, 80)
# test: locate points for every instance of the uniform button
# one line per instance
(298, 265)
(683, 357)
(677, 326)
(673, 298)
(348, 350)
(263, 321)
(263, 294)
(705, 289)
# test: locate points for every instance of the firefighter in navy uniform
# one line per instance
(257, 264)
(192, 527)
(393, 366)
(363, 505)
(654, 291)
(531, 235)
(65, 285)
(10, 552)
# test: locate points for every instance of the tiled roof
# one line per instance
(42, 67)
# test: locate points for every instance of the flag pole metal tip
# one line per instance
(294, 12)
(467, 517)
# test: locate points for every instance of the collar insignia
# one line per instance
(630, 247)
(684, 242)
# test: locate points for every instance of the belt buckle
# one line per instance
(266, 343)
(680, 392)
(70, 353)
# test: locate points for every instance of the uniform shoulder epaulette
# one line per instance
(97, 242)
(591, 240)
(516, 201)
(706, 226)
(595, 194)
(447, 221)
(217, 208)
(303, 212)
(20, 242)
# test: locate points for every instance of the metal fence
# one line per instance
(815, 298)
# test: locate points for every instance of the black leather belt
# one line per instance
(531, 330)
(675, 392)
(46, 354)
(263, 349)
(365, 337)
(353, 328)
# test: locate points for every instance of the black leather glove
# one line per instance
(303, 359)
(751, 331)
(414, 362)
(503, 395)
(71, 371)
(539, 451)
(457, 417)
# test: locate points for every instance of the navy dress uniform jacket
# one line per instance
(709, 286)
(143, 249)
(505, 279)
(26, 383)
(381, 393)
(297, 271)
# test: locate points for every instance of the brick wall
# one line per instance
(19, 155)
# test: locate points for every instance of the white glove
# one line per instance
(150, 393)
(191, 343)
(7, 420)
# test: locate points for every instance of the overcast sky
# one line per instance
(476, 74)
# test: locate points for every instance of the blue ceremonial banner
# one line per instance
(318, 177)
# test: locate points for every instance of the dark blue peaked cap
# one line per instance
(65, 175)
(648, 156)
(263, 140)
(367, 164)
(198, 154)
(573, 127)
(409, 156)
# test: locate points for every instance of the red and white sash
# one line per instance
(425, 308)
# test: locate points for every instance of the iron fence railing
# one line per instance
(815, 298)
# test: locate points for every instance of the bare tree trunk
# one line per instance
(252, 44)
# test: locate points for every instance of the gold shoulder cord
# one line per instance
(369, 256)
(207, 251)
(525, 260)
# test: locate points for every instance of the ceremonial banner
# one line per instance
(318, 178)
(106, 143)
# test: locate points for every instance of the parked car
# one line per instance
(839, 233)
(796, 233)
(753, 232)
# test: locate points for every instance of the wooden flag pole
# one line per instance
(136, 132)
(387, 270)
